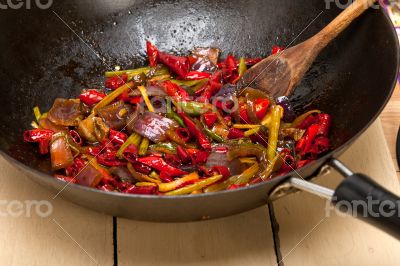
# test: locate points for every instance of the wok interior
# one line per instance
(42, 59)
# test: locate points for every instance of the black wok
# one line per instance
(42, 58)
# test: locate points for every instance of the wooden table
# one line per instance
(302, 233)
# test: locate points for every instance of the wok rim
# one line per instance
(278, 180)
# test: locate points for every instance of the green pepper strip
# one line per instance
(172, 115)
(165, 147)
(113, 95)
(212, 135)
(241, 179)
(130, 72)
(193, 108)
(133, 139)
(196, 186)
(277, 113)
(188, 83)
(144, 145)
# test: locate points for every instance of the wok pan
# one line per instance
(57, 52)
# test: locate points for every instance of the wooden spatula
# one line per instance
(278, 75)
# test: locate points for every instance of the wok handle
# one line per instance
(361, 197)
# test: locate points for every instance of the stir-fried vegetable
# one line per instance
(177, 127)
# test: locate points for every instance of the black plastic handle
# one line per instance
(363, 198)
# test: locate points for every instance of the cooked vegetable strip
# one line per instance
(131, 72)
(37, 113)
(141, 177)
(165, 187)
(113, 95)
(133, 139)
(146, 98)
(196, 186)
(144, 145)
(179, 126)
(277, 113)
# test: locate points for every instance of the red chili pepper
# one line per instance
(183, 154)
(302, 163)
(178, 64)
(95, 151)
(256, 180)
(130, 153)
(261, 107)
(152, 54)
(210, 88)
(324, 124)
(198, 156)
(304, 145)
(106, 187)
(173, 160)
(222, 170)
(210, 118)
(160, 165)
(41, 136)
(37, 135)
(235, 133)
(91, 97)
(175, 91)
(74, 169)
(311, 119)
(76, 137)
(277, 49)
(147, 190)
(288, 165)
(248, 61)
(195, 131)
(135, 100)
(107, 160)
(165, 177)
(117, 138)
(196, 75)
(142, 168)
(244, 117)
(183, 134)
(320, 145)
(114, 83)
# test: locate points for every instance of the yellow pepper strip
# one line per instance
(133, 139)
(245, 126)
(277, 113)
(34, 124)
(241, 179)
(165, 187)
(113, 95)
(145, 184)
(130, 72)
(270, 168)
(144, 145)
(253, 131)
(161, 77)
(154, 175)
(242, 67)
(249, 160)
(146, 99)
(141, 177)
(37, 113)
(301, 118)
(196, 186)
(189, 83)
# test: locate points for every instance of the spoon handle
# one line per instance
(341, 22)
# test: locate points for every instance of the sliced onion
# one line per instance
(153, 126)
(288, 114)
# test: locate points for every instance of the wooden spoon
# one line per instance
(277, 75)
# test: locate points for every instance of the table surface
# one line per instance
(299, 229)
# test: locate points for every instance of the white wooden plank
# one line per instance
(76, 236)
(309, 237)
(244, 239)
